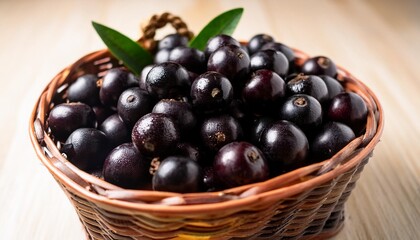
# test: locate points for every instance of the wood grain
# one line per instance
(378, 41)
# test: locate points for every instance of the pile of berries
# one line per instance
(194, 120)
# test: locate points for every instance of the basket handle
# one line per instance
(159, 21)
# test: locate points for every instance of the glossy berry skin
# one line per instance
(102, 113)
(263, 91)
(167, 80)
(287, 51)
(190, 58)
(308, 84)
(231, 61)
(333, 86)
(304, 111)
(285, 146)
(349, 108)
(143, 75)
(126, 167)
(181, 113)
(86, 148)
(115, 130)
(188, 150)
(210, 92)
(85, 90)
(64, 118)
(210, 182)
(219, 41)
(257, 42)
(319, 65)
(256, 127)
(162, 56)
(270, 59)
(178, 174)
(171, 41)
(134, 103)
(217, 131)
(155, 135)
(240, 163)
(239, 110)
(114, 82)
(332, 137)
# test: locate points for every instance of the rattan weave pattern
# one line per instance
(304, 215)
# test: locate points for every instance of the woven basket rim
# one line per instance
(177, 203)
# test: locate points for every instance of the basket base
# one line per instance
(331, 228)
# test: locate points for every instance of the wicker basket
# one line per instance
(307, 203)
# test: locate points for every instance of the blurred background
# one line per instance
(377, 41)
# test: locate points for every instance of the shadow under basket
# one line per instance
(307, 203)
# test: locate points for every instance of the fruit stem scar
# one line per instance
(220, 137)
(324, 62)
(149, 146)
(154, 165)
(252, 155)
(299, 77)
(131, 98)
(215, 92)
(301, 102)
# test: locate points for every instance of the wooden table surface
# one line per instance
(378, 41)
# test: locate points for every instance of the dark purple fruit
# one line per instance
(287, 51)
(86, 148)
(263, 91)
(114, 82)
(304, 111)
(172, 41)
(219, 41)
(102, 113)
(285, 146)
(85, 89)
(126, 167)
(290, 77)
(231, 61)
(143, 75)
(209, 180)
(270, 59)
(349, 108)
(180, 112)
(67, 117)
(240, 163)
(162, 56)
(133, 104)
(257, 42)
(155, 135)
(210, 92)
(238, 109)
(167, 80)
(256, 128)
(115, 130)
(310, 85)
(190, 58)
(217, 131)
(319, 65)
(178, 174)
(188, 150)
(334, 87)
(329, 140)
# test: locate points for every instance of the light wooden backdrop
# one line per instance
(378, 41)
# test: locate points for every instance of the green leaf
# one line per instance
(124, 49)
(225, 23)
